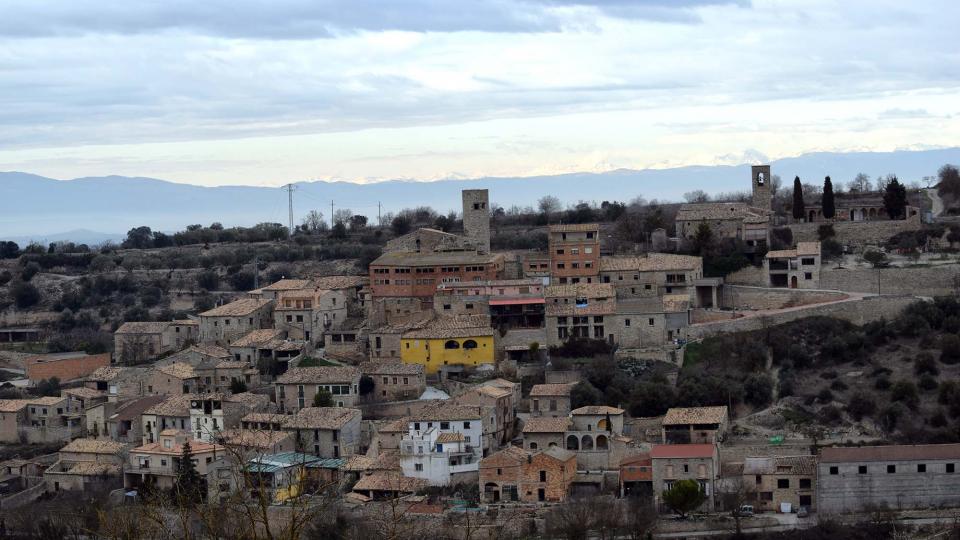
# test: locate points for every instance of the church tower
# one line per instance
(762, 187)
(476, 217)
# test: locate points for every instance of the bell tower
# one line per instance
(762, 186)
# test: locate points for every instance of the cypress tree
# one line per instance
(829, 206)
(798, 208)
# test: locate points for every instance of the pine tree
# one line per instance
(798, 208)
(829, 206)
(895, 199)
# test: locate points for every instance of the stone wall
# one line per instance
(857, 233)
(740, 297)
(858, 312)
(476, 217)
(922, 281)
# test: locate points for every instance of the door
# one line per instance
(541, 494)
(793, 282)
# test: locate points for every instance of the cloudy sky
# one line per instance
(270, 91)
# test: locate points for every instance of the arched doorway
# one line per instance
(491, 492)
(573, 443)
(601, 442)
(813, 214)
(586, 443)
(793, 282)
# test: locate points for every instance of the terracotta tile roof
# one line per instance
(446, 412)
(694, 415)
(458, 326)
(178, 370)
(255, 438)
(319, 375)
(186, 322)
(12, 405)
(197, 447)
(501, 383)
(803, 249)
(416, 320)
(642, 458)
(720, 212)
(178, 406)
(237, 308)
(546, 425)
(47, 401)
(339, 282)
(255, 338)
(575, 227)
(288, 285)
(391, 368)
(133, 408)
(436, 258)
(322, 418)
(808, 248)
(491, 391)
(555, 389)
(267, 418)
(94, 446)
(450, 437)
(106, 373)
(89, 468)
(651, 262)
(82, 392)
(389, 481)
(209, 349)
(889, 453)
(662, 451)
(597, 409)
(358, 463)
(143, 328)
(400, 425)
(250, 400)
(233, 364)
(558, 453)
(593, 307)
(510, 456)
(578, 290)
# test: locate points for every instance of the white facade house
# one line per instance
(439, 458)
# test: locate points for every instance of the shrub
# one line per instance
(758, 390)
(208, 279)
(882, 383)
(828, 375)
(24, 294)
(237, 386)
(890, 416)
(951, 325)
(925, 363)
(905, 392)
(242, 281)
(950, 349)
(938, 420)
(29, 270)
(838, 385)
(825, 396)
(927, 383)
(830, 415)
(861, 404)
(5, 277)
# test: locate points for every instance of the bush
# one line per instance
(905, 392)
(5, 277)
(758, 390)
(29, 270)
(825, 232)
(950, 349)
(861, 405)
(831, 249)
(890, 416)
(882, 383)
(242, 281)
(208, 279)
(838, 385)
(925, 363)
(825, 396)
(25, 295)
(237, 386)
(927, 383)
(938, 420)
(830, 415)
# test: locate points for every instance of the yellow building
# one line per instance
(465, 340)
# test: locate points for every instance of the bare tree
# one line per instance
(548, 205)
(313, 222)
(734, 493)
(860, 184)
(342, 216)
(696, 196)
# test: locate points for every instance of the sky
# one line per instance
(268, 92)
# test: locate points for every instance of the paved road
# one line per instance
(935, 200)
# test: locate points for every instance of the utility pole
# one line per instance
(379, 219)
(331, 213)
(256, 271)
(290, 203)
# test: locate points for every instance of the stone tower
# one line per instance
(476, 217)
(762, 186)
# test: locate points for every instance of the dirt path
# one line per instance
(935, 201)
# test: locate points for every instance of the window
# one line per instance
(686, 468)
(469, 344)
(466, 425)
(446, 307)
(543, 476)
(808, 261)
(444, 425)
(626, 322)
(950, 468)
(861, 469)
(805, 483)
(451, 344)
(834, 470)
(921, 467)
(418, 466)
(650, 322)
(891, 469)
(783, 483)
(807, 275)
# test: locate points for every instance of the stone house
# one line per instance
(574, 253)
(85, 463)
(254, 442)
(254, 344)
(514, 474)
(733, 220)
(329, 432)
(38, 420)
(500, 400)
(158, 464)
(307, 314)
(119, 382)
(219, 377)
(296, 388)
(171, 413)
(797, 268)
(347, 340)
(551, 399)
(210, 414)
(697, 425)
(139, 342)
(64, 366)
(770, 482)
(545, 432)
(228, 322)
(385, 339)
(596, 435)
(579, 311)
(175, 378)
(80, 398)
(901, 477)
(651, 274)
(673, 462)
(395, 381)
(277, 288)
(123, 420)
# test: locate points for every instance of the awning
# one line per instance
(515, 301)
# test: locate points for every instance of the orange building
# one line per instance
(410, 274)
(574, 253)
(64, 366)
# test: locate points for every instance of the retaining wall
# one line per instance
(922, 281)
(857, 233)
(741, 297)
(858, 312)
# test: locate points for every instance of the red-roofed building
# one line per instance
(673, 462)
(636, 476)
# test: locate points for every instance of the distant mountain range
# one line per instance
(103, 208)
